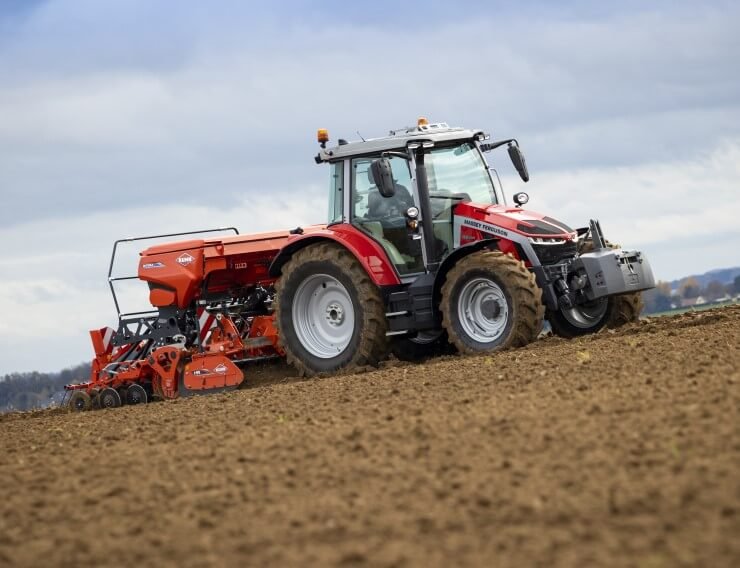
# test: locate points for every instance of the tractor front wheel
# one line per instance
(590, 317)
(329, 313)
(490, 301)
(583, 319)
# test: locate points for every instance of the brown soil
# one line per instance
(618, 449)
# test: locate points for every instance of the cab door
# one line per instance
(384, 218)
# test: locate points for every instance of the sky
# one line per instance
(135, 117)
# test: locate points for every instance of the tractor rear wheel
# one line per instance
(610, 311)
(491, 301)
(329, 313)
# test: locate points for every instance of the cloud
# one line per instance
(683, 214)
(201, 107)
(655, 202)
(55, 285)
(128, 117)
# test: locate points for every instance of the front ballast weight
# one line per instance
(610, 271)
(600, 286)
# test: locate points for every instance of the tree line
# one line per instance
(663, 297)
(26, 391)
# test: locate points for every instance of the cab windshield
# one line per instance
(459, 171)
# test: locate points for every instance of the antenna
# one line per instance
(360, 135)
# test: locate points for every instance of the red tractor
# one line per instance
(420, 254)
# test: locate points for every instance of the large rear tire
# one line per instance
(490, 301)
(584, 319)
(329, 313)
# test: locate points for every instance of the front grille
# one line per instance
(550, 254)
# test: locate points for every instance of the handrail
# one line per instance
(112, 279)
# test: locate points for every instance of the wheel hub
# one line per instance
(483, 310)
(323, 316)
(490, 308)
(335, 314)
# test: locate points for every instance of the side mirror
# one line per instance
(382, 175)
(517, 158)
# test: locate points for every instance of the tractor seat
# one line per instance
(376, 230)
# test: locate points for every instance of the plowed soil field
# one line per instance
(618, 449)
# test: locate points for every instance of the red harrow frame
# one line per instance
(197, 345)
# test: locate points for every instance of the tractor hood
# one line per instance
(522, 221)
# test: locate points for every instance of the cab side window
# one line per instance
(367, 201)
(383, 217)
(336, 185)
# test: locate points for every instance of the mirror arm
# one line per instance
(488, 146)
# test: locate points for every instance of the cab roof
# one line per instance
(398, 139)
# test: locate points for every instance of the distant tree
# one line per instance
(689, 288)
(664, 288)
(713, 290)
(736, 285)
(23, 391)
(658, 299)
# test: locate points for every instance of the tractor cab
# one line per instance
(402, 190)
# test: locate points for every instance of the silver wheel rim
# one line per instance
(323, 316)
(483, 310)
(587, 315)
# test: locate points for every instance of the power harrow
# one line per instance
(211, 316)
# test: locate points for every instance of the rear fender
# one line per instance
(366, 250)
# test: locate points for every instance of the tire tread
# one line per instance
(373, 345)
(528, 310)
